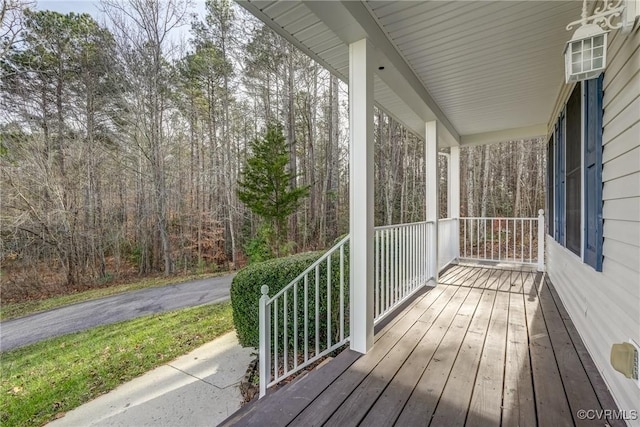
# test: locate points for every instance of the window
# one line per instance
(574, 183)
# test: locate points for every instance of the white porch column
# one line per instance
(361, 194)
(431, 161)
(454, 195)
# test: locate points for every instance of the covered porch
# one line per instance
(469, 345)
(487, 346)
(424, 64)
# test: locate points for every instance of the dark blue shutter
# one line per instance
(559, 180)
(550, 217)
(593, 173)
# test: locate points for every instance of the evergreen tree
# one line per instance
(265, 184)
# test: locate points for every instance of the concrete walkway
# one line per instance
(198, 389)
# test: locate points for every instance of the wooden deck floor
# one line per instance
(486, 347)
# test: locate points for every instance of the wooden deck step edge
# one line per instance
(280, 406)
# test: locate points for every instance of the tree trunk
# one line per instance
(291, 139)
(519, 172)
(485, 180)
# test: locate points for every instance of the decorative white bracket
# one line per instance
(612, 15)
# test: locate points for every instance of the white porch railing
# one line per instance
(400, 261)
(309, 318)
(306, 320)
(507, 240)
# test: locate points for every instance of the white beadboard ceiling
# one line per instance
(486, 70)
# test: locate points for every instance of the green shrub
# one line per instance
(245, 290)
(258, 249)
(277, 273)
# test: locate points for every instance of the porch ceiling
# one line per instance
(488, 71)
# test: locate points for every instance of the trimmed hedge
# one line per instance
(245, 290)
(278, 273)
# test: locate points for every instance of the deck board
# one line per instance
(474, 276)
(487, 391)
(518, 406)
(450, 274)
(495, 348)
(390, 404)
(424, 399)
(599, 386)
(330, 400)
(551, 401)
(281, 408)
(507, 284)
(493, 280)
(356, 406)
(386, 324)
(517, 279)
(504, 280)
(454, 402)
(463, 277)
(481, 279)
(527, 281)
(578, 389)
(458, 272)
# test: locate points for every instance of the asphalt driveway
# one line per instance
(85, 315)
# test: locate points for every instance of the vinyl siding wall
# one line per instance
(605, 307)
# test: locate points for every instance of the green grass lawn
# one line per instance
(57, 375)
(13, 310)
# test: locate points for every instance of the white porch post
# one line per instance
(361, 194)
(431, 161)
(541, 238)
(454, 196)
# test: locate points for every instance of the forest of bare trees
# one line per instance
(123, 137)
(503, 180)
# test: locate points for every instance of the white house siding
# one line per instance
(605, 307)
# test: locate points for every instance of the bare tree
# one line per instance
(11, 24)
(143, 28)
(120, 150)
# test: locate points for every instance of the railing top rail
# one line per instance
(447, 219)
(311, 267)
(384, 227)
(498, 217)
